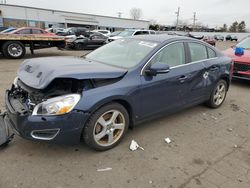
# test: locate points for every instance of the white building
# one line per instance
(22, 16)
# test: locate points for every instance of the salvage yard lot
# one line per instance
(210, 148)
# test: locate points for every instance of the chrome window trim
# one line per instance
(194, 62)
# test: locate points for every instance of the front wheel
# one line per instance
(106, 127)
(218, 95)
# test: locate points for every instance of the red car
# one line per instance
(210, 40)
(240, 54)
(31, 31)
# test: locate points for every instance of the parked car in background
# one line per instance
(8, 30)
(115, 33)
(55, 30)
(73, 31)
(210, 40)
(31, 31)
(131, 32)
(104, 32)
(240, 53)
(219, 37)
(92, 42)
(96, 98)
(231, 38)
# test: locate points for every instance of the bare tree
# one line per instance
(136, 13)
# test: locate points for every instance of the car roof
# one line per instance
(161, 38)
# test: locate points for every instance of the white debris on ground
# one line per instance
(104, 169)
(168, 140)
(134, 146)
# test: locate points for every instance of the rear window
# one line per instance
(211, 53)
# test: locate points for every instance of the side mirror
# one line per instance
(158, 68)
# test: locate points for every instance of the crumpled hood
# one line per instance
(40, 72)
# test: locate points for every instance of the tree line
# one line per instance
(235, 27)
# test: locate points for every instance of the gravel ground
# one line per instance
(210, 148)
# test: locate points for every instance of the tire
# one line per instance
(79, 46)
(218, 95)
(98, 131)
(13, 49)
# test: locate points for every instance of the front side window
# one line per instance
(24, 31)
(138, 33)
(198, 51)
(173, 55)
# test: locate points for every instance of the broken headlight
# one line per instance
(57, 106)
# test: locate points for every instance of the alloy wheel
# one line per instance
(219, 94)
(109, 128)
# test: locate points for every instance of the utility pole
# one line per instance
(119, 14)
(177, 17)
(194, 21)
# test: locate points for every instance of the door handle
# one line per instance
(183, 78)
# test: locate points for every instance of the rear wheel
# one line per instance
(106, 127)
(218, 95)
(13, 49)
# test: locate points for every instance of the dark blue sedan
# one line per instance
(96, 98)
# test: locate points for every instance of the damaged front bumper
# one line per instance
(62, 129)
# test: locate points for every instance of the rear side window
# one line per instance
(37, 31)
(198, 52)
(173, 55)
(24, 31)
(211, 53)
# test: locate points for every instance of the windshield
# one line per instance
(124, 53)
(244, 43)
(126, 33)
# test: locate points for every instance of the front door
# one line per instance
(165, 92)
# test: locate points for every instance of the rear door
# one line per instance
(200, 71)
(165, 92)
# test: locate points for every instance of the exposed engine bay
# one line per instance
(24, 98)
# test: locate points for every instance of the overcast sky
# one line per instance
(209, 12)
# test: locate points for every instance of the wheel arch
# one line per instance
(226, 78)
(125, 103)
